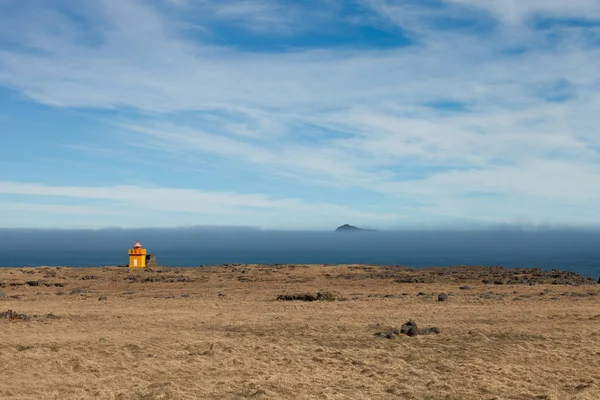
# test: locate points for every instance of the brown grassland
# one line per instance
(220, 333)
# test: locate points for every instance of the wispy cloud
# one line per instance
(205, 205)
(510, 112)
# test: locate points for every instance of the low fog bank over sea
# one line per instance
(571, 250)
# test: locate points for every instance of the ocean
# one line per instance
(577, 251)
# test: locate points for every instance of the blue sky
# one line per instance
(299, 115)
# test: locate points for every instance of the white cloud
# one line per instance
(201, 207)
(515, 11)
(254, 107)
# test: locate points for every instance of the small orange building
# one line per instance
(137, 256)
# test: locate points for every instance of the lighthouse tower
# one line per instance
(137, 256)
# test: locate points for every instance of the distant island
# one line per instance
(352, 228)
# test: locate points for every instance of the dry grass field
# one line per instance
(220, 333)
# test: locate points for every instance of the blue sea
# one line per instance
(577, 251)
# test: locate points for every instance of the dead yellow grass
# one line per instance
(229, 339)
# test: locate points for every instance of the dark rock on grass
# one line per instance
(2, 295)
(442, 297)
(101, 298)
(128, 293)
(185, 295)
(409, 328)
(89, 277)
(389, 334)
(13, 315)
(410, 279)
(323, 295)
(60, 293)
(382, 296)
(35, 283)
(300, 297)
(52, 316)
(42, 283)
(465, 287)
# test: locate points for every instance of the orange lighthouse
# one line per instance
(137, 256)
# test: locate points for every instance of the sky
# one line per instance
(299, 114)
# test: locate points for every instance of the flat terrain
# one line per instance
(221, 333)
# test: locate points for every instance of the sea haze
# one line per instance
(571, 250)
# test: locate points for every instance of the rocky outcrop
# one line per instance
(323, 295)
(467, 274)
(13, 315)
(409, 328)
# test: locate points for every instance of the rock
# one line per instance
(301, 297)
(185, 295)
(128, 293)
(321, 296)
(389, 333)
(52, 316)
(409, 328)
(13, 315)
(410, 279)
(429, 331)
(101, 298)
(35, 283)
(465, 287)
(2, 295)
(442, 297)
